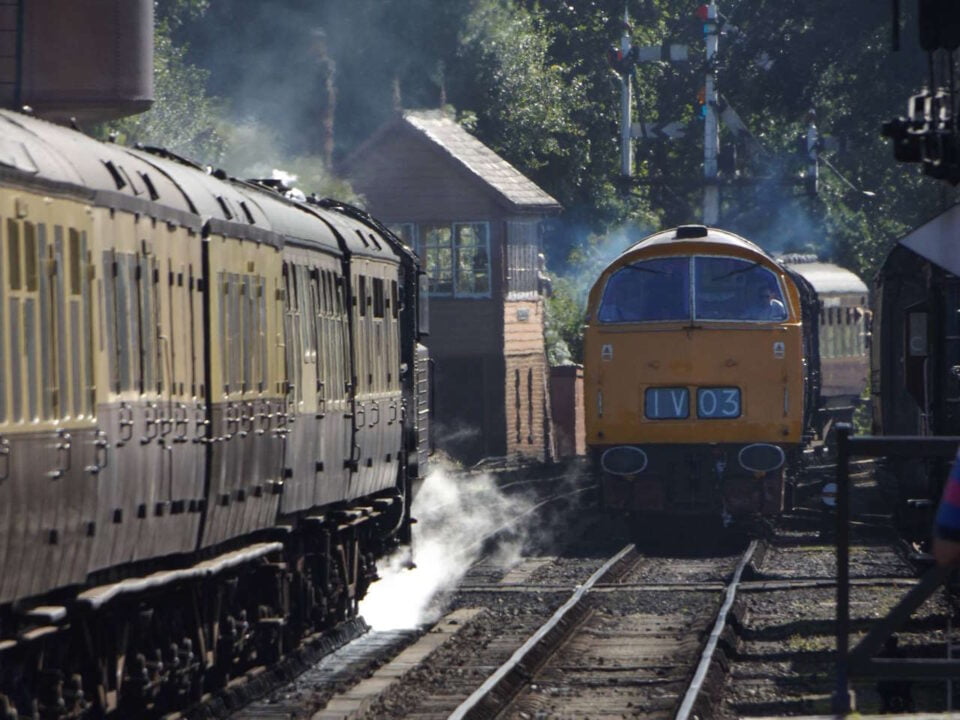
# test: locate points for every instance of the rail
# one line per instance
(861, 661)
(497, 690)
(706, 657)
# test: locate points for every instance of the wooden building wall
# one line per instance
(478, 345)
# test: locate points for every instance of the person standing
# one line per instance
(946, 530)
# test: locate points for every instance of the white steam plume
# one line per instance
(454, 515)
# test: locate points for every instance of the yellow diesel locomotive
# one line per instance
(701, 376)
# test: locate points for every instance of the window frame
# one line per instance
(419, 234)
(692, 294)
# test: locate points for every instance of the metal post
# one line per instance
(626, 105)
(813, 154)
(711, 131)
(842, 701)
(949, 657)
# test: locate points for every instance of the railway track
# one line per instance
(590, 631)
(620, 652)
(295, 688)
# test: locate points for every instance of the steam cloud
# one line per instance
(454, 516)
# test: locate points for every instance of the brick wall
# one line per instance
(566, 406)
(528, 422)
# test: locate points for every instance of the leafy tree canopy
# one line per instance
(309, 80)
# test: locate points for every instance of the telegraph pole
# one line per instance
(711, 133)
(626, 104)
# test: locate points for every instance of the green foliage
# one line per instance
(564, 326)
(183, 117)
(521, 99)
(530, 78)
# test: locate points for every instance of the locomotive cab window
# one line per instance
(727, 288)
(723, 288)
(649, 291)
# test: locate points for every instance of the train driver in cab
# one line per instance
(768, 305)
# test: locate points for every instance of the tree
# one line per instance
(184, 118)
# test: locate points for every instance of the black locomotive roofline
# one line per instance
(162, 184)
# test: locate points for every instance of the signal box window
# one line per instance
(649, 291)
(728, 288)
(457, 258)
(437, 254)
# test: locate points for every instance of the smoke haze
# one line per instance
(454, 516)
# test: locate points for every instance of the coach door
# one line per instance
(47, 431)
(248, 417)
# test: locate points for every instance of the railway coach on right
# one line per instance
(915, 358)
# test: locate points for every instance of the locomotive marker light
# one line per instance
(624, 460)
(761, 457)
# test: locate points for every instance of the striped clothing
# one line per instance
(948, 514)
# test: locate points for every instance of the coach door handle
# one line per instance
(231, 416)
(63, 451)
(361, 415)
(290, 404)
(125, 417)
(263, 417)
(165, 420)
(376, 407)
(396, 412)
(321, 399)
(4, 459)
(180, 423)
(151, 423)
(101, 453)
(247, 415)
(200, 423)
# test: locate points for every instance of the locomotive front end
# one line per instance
(694, 377)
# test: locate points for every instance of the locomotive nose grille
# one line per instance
(624, 460)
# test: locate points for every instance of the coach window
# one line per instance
(293, 352)
(648, 291)
(3, 344)
(149, 380)
(341, 358)
(318, 284)
(249, 332)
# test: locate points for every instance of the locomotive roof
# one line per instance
(696, 233)
(826, 277)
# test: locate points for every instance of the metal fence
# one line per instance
(862, 661)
